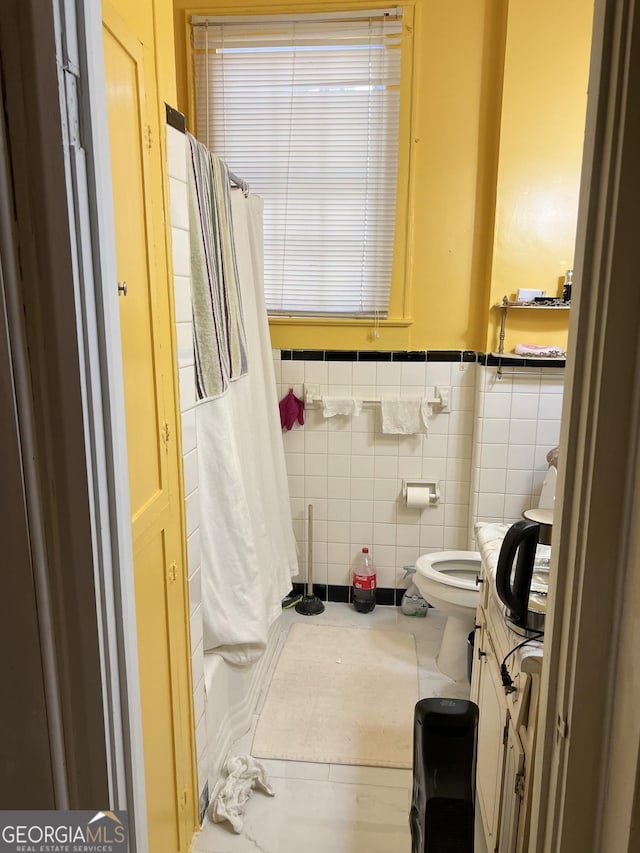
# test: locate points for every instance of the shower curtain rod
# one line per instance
(243, 185)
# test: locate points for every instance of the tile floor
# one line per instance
(334, 808)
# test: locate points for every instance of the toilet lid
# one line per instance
(452, 568)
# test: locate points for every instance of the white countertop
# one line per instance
(489, 538)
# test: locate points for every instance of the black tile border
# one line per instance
(491, 360)
(341, 594)
(468, 356)
(422, 356)
(385, 596)
(370, 355)
(307, 355)
(340, 355)
(453, 355)
(175, 119)
(319, 590)
(409, 355)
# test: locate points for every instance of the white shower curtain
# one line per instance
(248, 545)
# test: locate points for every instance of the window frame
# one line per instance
(292, 332)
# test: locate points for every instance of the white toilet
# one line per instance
(447, 580)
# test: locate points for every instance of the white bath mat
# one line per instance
(341, 696)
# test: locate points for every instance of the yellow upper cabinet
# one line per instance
(495, 96)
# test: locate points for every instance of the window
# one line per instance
(307, 112)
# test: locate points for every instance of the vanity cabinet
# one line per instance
(506, 729)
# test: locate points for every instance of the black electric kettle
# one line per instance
(526, 609)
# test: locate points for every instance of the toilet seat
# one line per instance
(457, 569)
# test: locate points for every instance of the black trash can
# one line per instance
(444, 776)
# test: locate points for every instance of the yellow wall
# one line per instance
(469, 156)
(541, 138)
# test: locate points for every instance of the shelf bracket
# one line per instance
(503, 326)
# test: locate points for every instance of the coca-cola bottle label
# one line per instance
(364, 581)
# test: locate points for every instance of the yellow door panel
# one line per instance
(161, 602)
(144, 417)
(155, 684)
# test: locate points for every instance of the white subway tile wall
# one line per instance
(352, 473)
(177, 168)
(488, 456)
(517, 422)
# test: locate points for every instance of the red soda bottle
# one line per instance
(363, 588)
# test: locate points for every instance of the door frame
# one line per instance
(81, 27)
(105, 372)
(67, 333)
(604, 369)
(597, 383)
(168, 501)
(587, 778)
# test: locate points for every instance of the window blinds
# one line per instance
(307, 112)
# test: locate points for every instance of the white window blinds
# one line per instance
(307, 111)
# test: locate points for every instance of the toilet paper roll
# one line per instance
(418, 496)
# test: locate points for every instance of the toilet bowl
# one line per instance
(447, 580)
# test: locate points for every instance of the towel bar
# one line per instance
(312, 395)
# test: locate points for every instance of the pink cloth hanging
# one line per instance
(291, 410)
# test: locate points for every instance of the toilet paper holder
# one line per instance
(429, 488)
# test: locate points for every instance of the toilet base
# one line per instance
(452, 657)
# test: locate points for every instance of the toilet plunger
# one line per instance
(310, 604)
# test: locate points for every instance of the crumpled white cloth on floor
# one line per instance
(332, 406)
(230, 797)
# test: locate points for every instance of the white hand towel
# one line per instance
(404, 415)
(340, 406)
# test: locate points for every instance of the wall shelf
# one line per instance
(539, 306)
(505, 306)
(512, 356)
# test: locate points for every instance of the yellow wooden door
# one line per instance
(161, 611)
